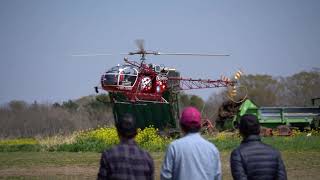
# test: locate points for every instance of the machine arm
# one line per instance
(178, 83)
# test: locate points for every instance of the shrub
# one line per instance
(23, 144)
(20, 147)
(150, 139)
(19, 141)
(99, 139)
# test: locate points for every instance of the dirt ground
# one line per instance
(61, 165)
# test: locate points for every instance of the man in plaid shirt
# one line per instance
(126, 160)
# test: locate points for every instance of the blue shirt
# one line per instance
(191, 157)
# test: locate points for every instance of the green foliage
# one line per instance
(191, 100)
(20, 141)
(150, 139)
(92, 140)
(70, 105)
(103, 138)
(104, 98)
(184, 99)
(99, 139)
(17, 105)
(262, 89)
(89, 145)
(303, 86)
(23, 144)
(225, 141)
(101, 102)
(266, 90)
(300, 142)
(196, 101)
(21, 147)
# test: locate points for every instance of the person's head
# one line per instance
(249, 125)
(190, 120)
(126, 126)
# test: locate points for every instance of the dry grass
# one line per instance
(57, 139)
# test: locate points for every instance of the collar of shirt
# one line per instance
(251, 138)
(192, 134)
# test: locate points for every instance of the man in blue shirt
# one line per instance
(191, 157)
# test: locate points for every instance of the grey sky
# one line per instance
(37, 38)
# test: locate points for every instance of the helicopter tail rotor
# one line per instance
(235, 92)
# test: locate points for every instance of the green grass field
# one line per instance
(77, 156)
(68, 165)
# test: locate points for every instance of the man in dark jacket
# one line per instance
(126, 161)
(254, 159)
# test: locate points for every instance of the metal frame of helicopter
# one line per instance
(151, 81)
(162, 82)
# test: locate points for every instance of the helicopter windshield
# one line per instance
(124, 75)
(113, 70)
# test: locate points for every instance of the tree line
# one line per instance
(20, 119)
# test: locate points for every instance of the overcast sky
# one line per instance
(37, 38)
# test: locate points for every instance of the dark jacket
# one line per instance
(256, 160)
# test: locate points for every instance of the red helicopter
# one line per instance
(147, 82)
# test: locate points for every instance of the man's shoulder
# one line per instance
(209, 144)
(271, 148)
(198, 140)
(115, 150)
(181, 141)
(110, 151)
(119, 150)
(259, 146)
(144, 153)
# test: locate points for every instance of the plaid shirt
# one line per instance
(126, 161)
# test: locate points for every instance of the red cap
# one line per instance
(190, 117)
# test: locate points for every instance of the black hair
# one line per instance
(126, 126)
(249, 125)
(190, 128)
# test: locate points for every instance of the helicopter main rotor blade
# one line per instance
(190, 54)
(140, 44)
(90, 55)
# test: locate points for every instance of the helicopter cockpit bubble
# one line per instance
(157, 68)
(122, 75)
